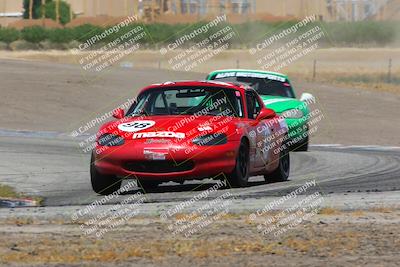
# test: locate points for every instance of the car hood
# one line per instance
(280, 104)
(170, 127)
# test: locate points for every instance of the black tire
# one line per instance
(281, 173)
(148, 185)
(302, 146)
(103, 184)
(240, 174)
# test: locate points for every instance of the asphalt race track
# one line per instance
(55, 168)
(36, 160)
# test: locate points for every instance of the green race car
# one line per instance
(277, 93)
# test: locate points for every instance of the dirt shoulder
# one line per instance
(332, 237)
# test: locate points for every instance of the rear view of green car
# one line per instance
(277, 93)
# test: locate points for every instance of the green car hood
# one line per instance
(280, 104)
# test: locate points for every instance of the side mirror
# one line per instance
(266, 113)
(118, 113)
(306, 97)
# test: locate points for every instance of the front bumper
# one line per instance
(168, 163)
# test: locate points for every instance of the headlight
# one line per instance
(110, 140)
(292, 114)
(211, 139)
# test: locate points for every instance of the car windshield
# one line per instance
(263, 86)
(188, 101)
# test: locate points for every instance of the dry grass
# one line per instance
(329, 211)
(8, 192)
(51, 250)
(382, 210)
(342, 241)
(360, 79)
(379, 87)
(357, 213)
(149, 240)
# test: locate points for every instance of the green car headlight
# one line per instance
(292, 114)
(111, 140)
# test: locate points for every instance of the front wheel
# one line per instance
(281, 173)
(103, 184)
(303, 145)
(240, 174)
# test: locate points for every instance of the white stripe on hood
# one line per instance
(271, 101)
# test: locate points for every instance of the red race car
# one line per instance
(188, 130)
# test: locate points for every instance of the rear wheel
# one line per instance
(103, 184)
(281, 174)
(240, 174)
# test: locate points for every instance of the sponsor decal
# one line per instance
(250, 75)
(204, 128)
(158, 141)
(136, 126)
(158, 134)
(154, 154)
(225, 74)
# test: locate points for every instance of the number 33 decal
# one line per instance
(135, 126)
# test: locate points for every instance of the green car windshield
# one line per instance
(188, 101)
(263, 86)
